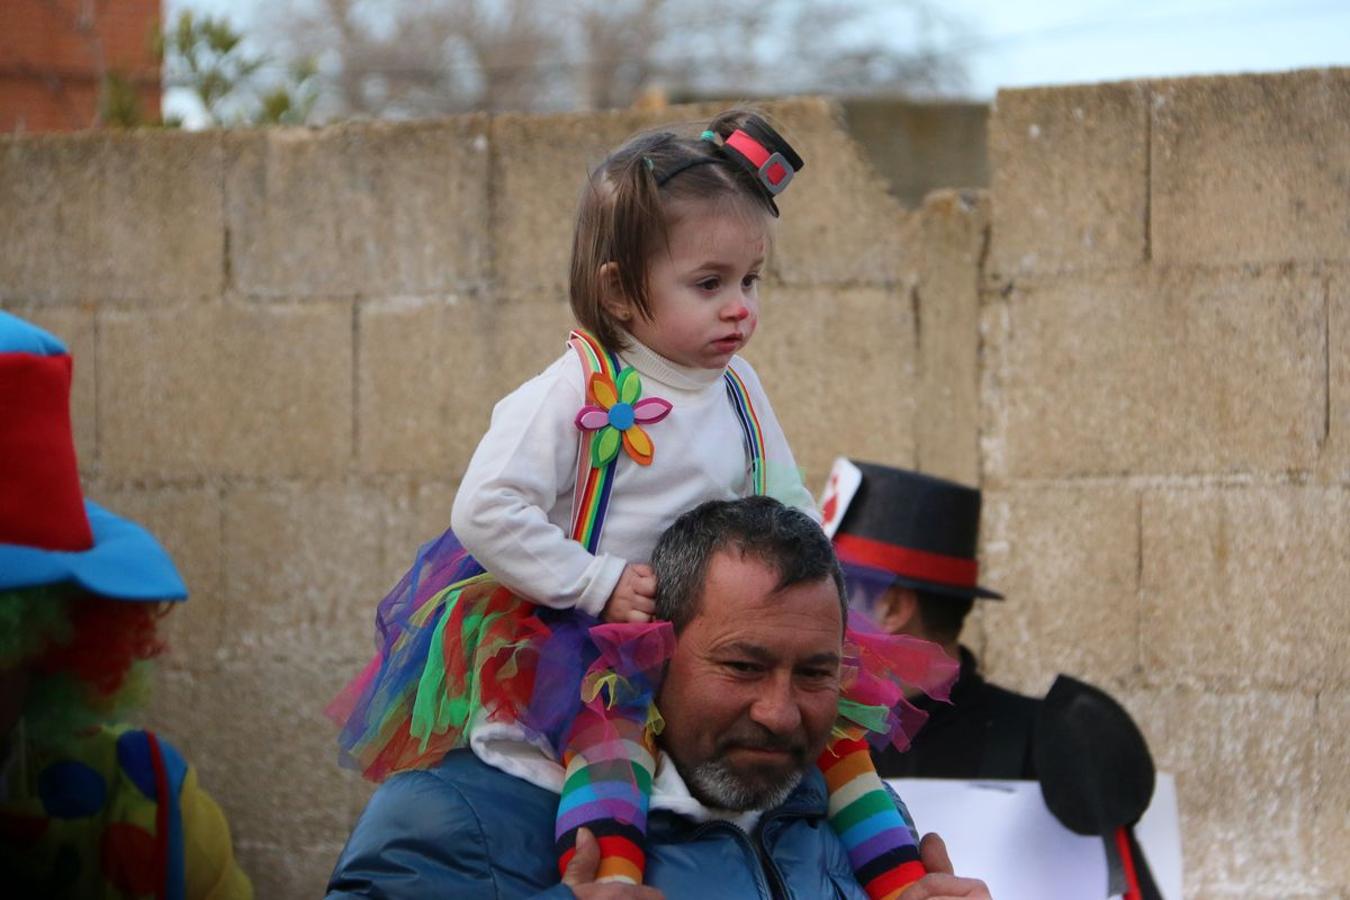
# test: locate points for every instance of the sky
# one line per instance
(1021, 43)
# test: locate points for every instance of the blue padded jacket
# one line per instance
(466, 830)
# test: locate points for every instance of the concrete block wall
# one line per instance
(288, 342)
(1163, 442)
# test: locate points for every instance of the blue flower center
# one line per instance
(621, 416)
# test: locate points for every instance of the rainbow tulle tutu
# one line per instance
(453, 643)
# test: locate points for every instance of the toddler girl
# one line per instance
(535, 608)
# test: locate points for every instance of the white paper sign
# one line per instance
(844, 481)
(1002, 832)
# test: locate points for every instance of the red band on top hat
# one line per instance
(754, 151)
(949, 570)
(40, 500)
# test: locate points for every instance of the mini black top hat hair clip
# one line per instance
(765, 154)
(754, 147)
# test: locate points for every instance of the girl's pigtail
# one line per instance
(639, 225)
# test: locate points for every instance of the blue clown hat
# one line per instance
(49, 534)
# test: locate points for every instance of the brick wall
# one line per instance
(53, 54)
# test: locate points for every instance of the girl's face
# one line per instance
(704, 294)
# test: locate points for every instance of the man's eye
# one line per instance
(737, 665)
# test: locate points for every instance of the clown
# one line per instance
(89, 806)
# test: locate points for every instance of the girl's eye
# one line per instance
(710, 284)
(750, 280)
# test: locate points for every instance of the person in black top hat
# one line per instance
(907, 543)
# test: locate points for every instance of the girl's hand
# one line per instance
(634, 597)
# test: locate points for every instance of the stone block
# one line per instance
(288, 871)
(540, 164)
(1336, 455)
(134, 216)
(47, 191)
(1332, 801)
(364, 209)
(224, 389)
(306, 564)
(75, 326)
(423, 381)
(1246, 586)
(1252, 169)
(1245, 785)
(953, 229)
(187, 522)
(255, 729)
(1070, 179)
(1165, 372)
(833, 399)
(1066, 559)
(840, 224)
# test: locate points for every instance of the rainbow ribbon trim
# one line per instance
(750, 429)
(591, 497)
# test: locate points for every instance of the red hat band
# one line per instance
(41, 504)
(906, 561)
(773, 169)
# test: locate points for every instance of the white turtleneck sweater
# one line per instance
(514, 504)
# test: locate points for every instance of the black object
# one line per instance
(1096, 775)
(921, 532)
(984, 733)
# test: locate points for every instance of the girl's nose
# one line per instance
(737, 310)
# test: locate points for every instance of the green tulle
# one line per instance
(872, 718)
(439, 706)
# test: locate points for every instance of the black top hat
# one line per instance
(917, 531)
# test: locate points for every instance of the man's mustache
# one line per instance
(755, 737)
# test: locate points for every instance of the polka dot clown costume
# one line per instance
(89, 807)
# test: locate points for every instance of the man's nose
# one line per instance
(776, 708)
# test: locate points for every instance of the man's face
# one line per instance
(753, 688)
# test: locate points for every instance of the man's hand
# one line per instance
(580, 875)
(634, 597)
(941, 882)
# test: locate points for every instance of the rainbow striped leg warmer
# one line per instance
(610, 763)
(882, 847)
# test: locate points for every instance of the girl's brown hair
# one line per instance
(624, 215)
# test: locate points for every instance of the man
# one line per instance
(908, 543)
(738, 809)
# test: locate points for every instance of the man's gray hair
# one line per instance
(786, 540)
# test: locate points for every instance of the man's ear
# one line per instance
(611, 293)
(900, 612)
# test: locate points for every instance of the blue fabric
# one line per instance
(71, 789)
(19, 336)
(125, 563)
(134, 756)
(176, 768)
(463, 829)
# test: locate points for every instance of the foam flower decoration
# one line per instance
(617, 414)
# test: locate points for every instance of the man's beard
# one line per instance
(717, 783)
(714, 784)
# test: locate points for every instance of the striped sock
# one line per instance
(881, 846)
(605, 790)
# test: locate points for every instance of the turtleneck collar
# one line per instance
(656, 367)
